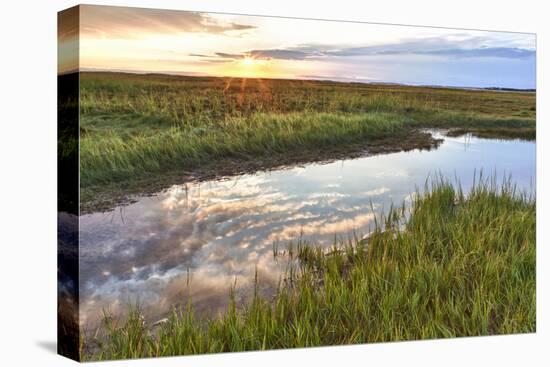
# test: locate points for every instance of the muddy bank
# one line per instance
(102, 198)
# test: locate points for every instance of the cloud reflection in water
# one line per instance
(221, 231)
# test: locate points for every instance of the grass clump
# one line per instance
(118, 156)
(462, 265)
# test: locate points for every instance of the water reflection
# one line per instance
(196, 240)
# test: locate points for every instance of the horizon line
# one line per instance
(327, 79)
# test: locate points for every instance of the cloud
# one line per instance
(129, 23)
(282, 54)
(446, 50)
(225, 55)
(455, 46)
(67, 25)
(67, 36)
(279, 54)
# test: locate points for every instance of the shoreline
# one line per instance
(104, 198)
(400, 283)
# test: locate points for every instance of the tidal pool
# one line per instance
(199, 239)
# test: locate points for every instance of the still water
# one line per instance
(199, 239)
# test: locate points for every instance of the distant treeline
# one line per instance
(511, 89)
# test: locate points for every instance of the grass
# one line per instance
(114, 156)
(137, 128)
(452, 265)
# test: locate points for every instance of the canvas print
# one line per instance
(238, 183)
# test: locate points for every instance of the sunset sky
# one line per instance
(191, 43)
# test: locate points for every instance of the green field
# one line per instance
(461, 266)
(140, 133)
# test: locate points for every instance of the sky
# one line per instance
(192, 43)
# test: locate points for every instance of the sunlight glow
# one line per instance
(250, 67)
(198, 44)
(248, 61)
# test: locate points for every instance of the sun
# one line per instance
(250, 67)
(249, 61)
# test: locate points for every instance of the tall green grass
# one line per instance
(114, 156)
(462, 265)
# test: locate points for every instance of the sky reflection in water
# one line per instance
(219, 232)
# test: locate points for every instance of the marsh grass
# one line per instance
(138, 126)
(196, 100)
(452, 265)
(114, 156)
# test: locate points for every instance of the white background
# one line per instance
(28, 182)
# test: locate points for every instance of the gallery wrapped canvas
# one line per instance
(236, 183)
